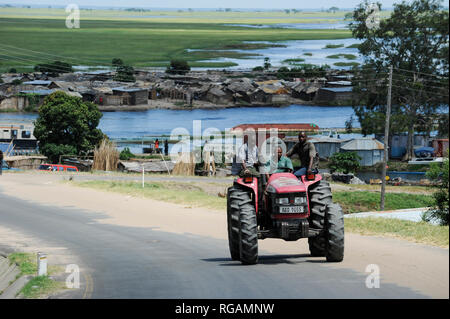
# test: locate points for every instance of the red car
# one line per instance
(58, 168)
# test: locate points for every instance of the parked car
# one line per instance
(5, 167)
(58, 168)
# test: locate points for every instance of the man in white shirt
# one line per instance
(248, 156)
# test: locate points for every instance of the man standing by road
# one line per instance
(307, 154)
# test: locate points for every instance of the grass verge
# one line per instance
(41, 286)
(38, 286)
(421, 232)
(172, 192)
(362, 201)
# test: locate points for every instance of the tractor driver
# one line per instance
(283, 164)
(307, 154)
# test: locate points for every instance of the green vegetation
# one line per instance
(54, 68)
(178, 193)
(342, 56)
(345, 162)
(125, 73)
(126, 154)
(67, 126)
(308, 54)
(142, 42)
(421, 232)
(334, 46)
(302, 71)
(362, 201)
(439, 210)
(352, 64)
(294, 61)
(41, 286)
(38, 286)
(353, 46)
(178, 67)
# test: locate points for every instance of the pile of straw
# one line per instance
(106, 156)
(185, 165)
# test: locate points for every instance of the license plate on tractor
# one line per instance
(291, 210)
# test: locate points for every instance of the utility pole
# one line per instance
(386, 140)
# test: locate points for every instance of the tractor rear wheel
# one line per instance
(319, 197)
(234, 198)
(334, 233)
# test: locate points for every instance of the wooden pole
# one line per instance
(386, 141)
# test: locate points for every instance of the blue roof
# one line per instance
(4, 147)
(344, 89)
(122, 89)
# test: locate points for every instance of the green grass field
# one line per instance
(31, 36)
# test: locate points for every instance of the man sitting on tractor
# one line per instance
(307, 154)
(282, 164)
(248, 157)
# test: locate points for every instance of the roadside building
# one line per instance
(371, 151)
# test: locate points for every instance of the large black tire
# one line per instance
(334, 233)
(234, 200)
(248, 230)
(319, 197)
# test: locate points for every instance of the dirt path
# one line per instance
(419, 267)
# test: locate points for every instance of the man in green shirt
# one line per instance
(282, 165)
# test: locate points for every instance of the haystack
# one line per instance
(106, 156)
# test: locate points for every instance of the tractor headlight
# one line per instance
(300, 200)
(282, 201)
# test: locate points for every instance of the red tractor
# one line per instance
(287, 208)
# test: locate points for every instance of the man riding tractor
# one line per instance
(285, 206)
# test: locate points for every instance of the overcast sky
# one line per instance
(266, 4)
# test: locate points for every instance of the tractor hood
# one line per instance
(285, 183)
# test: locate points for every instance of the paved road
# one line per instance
(128, 262)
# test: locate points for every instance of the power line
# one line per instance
(429, 74)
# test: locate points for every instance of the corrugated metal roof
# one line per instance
(280, 127)
(363, 144)
(39, 92)
(38, 82)
(131, 89)
(344, 89)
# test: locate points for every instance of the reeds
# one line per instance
(185, 165)
(106, 156)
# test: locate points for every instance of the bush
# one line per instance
(258, 69)
(116, 62)
(125, 73)
(439, 210)
(126, 154)
(178, 67)
(345, 162)
(54, 68)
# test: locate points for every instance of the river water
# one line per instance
(129, 125)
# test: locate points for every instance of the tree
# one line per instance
(349, 124)
(346, 162)
(288, 11)
(124, 73)
(178, 67)
(267, 63)
(333, 9)
(116, 62)
(439, 210)
(414, 41)
(67, 126)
